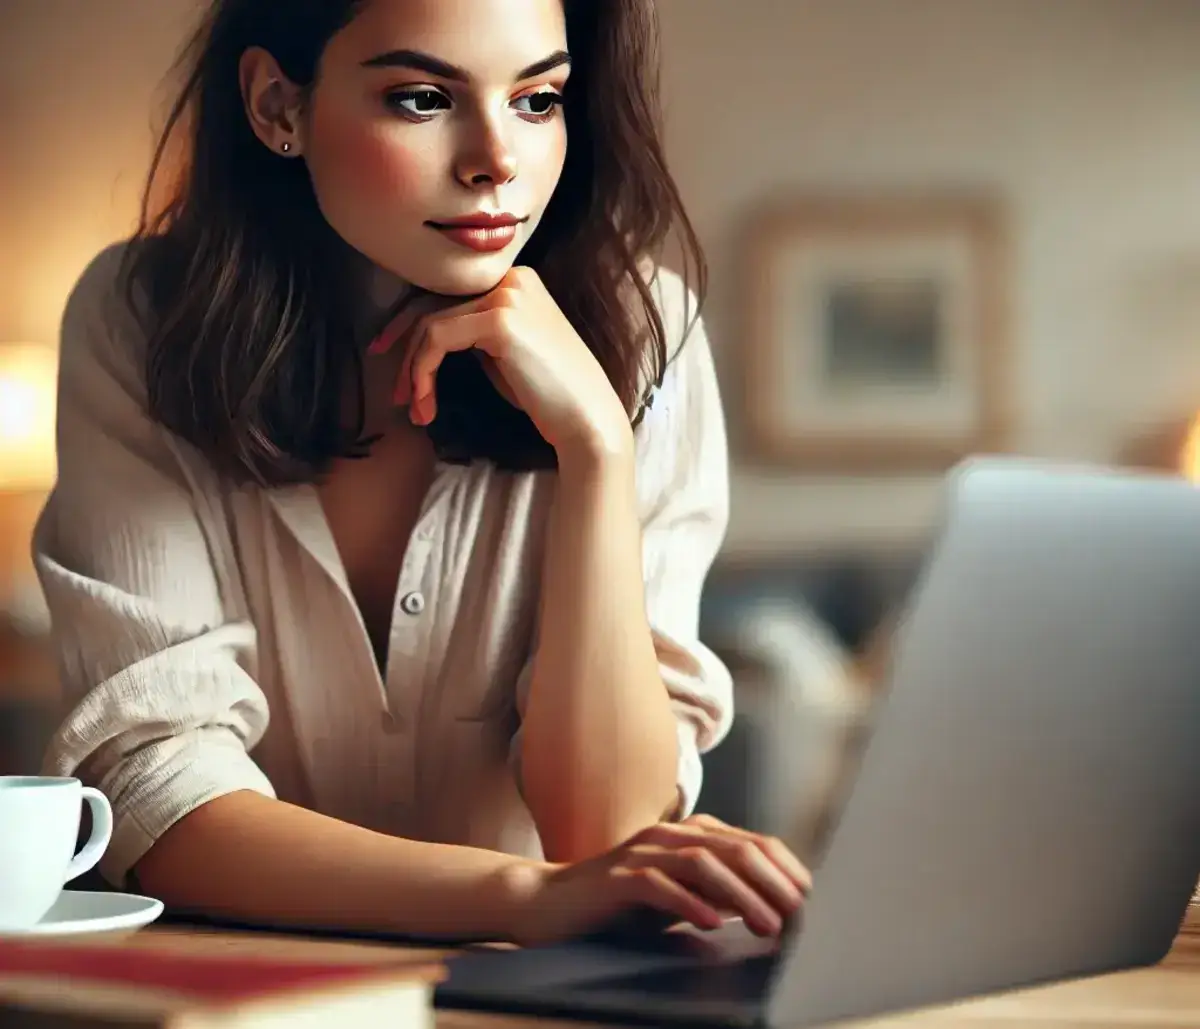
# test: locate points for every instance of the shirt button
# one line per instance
(412, 603)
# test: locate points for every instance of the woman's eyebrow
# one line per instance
(431, 65)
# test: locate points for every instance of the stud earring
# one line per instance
(286, 148)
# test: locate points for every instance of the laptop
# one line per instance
(1027, 807)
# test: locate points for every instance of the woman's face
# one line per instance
(427, 112)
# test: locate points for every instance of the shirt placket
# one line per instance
(414, 613)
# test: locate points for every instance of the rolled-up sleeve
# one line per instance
(683, 496)
(162, 708)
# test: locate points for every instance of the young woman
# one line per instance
(374, 570)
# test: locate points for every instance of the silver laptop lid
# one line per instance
(1028, 808)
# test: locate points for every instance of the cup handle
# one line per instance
(102, 826)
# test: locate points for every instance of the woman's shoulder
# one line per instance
(100, 282)
(677, 304)
(102, 321)
(682, 392)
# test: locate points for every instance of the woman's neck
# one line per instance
(376, 295)
(383, 289)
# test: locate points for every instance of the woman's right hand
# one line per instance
(699, 871)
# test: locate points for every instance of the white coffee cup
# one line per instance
(39, 827)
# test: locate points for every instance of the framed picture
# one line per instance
(877, 333)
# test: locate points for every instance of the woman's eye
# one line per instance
(418, 103)
(541, 105)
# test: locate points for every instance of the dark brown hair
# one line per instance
(250, 315)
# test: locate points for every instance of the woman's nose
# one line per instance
(487, 161)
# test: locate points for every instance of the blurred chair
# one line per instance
(799, 705)
(28, 698)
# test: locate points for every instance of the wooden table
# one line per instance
(1166, 996)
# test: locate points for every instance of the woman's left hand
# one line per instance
(532, 354)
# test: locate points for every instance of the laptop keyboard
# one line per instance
(738, 980)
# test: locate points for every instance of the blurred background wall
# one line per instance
(1079, 115)
(1074, 125)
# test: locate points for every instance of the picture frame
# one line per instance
(876, 333)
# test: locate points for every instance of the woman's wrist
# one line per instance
(596, 447)
(515, 893)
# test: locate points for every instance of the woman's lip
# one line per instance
(479, 222)
(482, 239)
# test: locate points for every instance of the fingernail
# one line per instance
(767, 926)
(382, 343)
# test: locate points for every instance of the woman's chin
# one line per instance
(473, 277)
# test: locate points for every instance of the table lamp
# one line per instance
(28, 467)
(28, 386)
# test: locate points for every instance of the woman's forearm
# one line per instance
(599, 744)
(250, 857)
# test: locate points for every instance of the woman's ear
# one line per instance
(272, 102)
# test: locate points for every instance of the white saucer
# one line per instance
(76, 913)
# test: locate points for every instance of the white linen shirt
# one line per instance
(208, 640)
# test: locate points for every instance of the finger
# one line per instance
(763, 861)
(404, 392)
(444, 336)
(702, 871)
(748, 860)
(781, 854)
(653, 888)
(410, 323)
(405, 320)
(391, 333)
(420, 331)
(774, 848)
(424, 357)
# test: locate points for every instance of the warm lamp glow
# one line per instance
(1189, 456)
(28, 382)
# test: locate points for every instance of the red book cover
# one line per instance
(150, 976)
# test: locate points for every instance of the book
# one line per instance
(208, 981)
